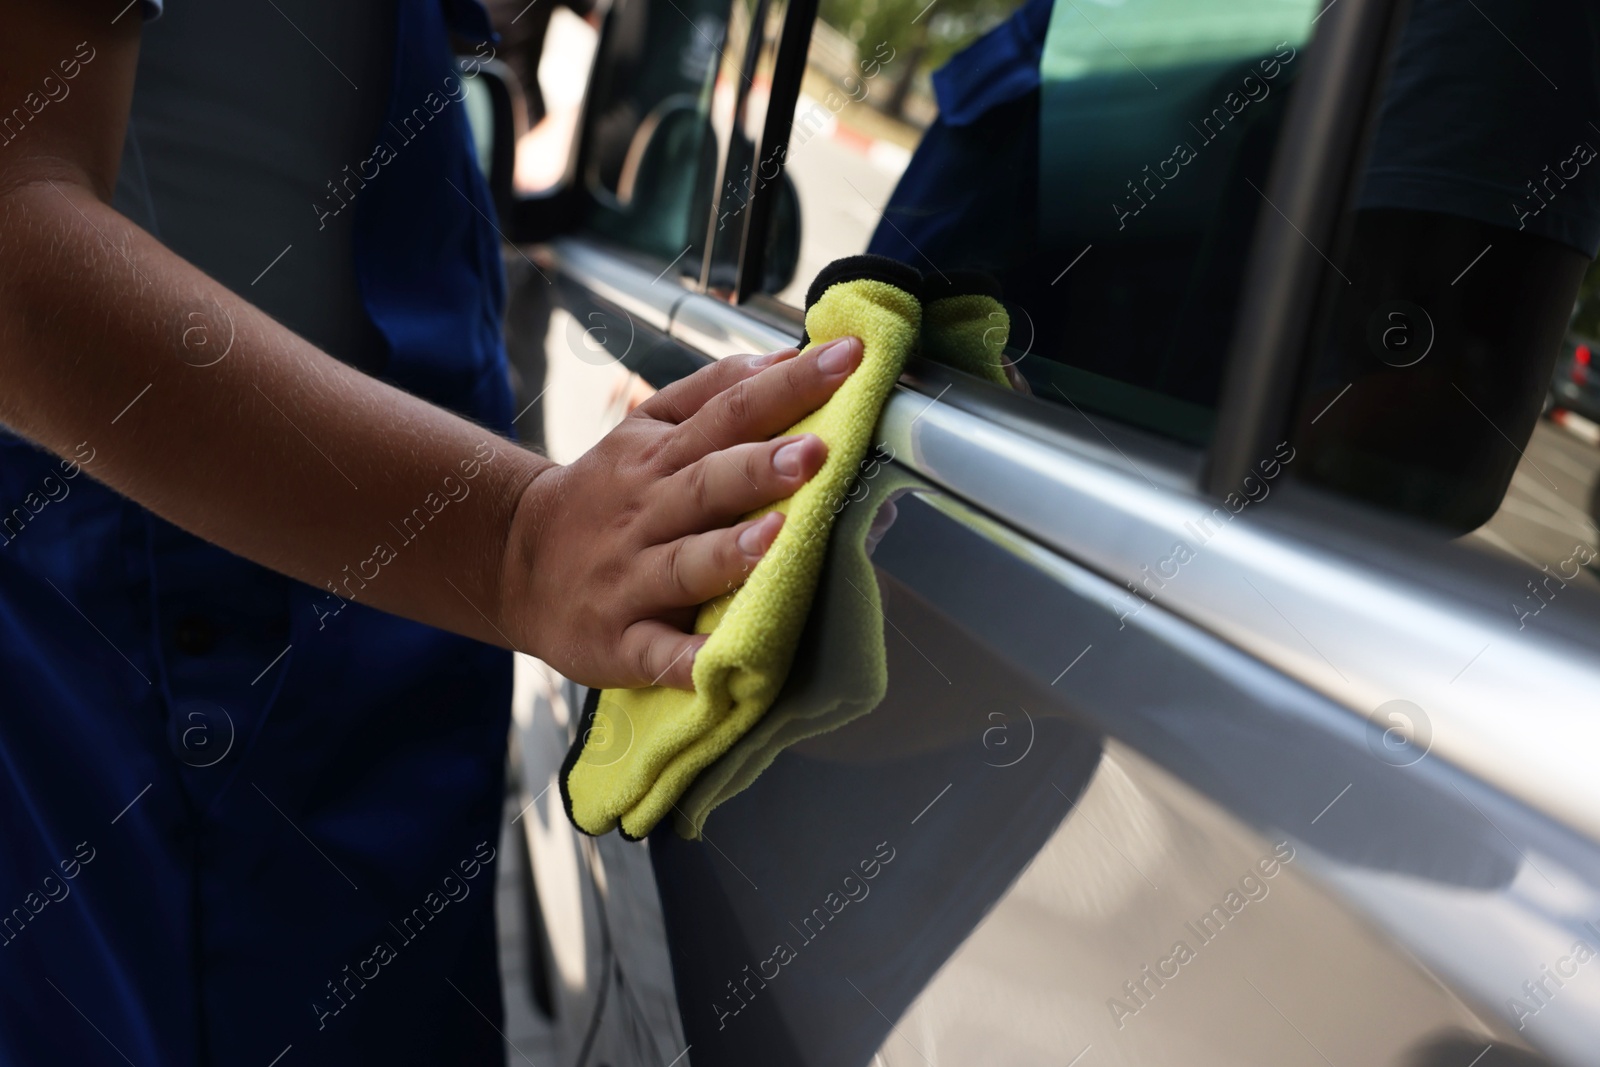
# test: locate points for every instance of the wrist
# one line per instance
(534, 496)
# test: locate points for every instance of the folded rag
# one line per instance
(964, 324)
(840, 671)
(642, 748)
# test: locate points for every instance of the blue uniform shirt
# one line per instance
(244, 818)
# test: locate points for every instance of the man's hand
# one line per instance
(609, 557)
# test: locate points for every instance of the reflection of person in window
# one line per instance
(970, 192)
(1477, 216)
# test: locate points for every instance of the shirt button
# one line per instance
(194, 635)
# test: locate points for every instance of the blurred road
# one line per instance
(1545, 515)
(844, 179)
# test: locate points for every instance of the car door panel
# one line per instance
(1125, 714)
(968, 769)
(1213, 721)
(1367, 611)
(1377, 804)
(898, 790)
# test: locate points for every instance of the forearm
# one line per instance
(220, 420)
(117, 355)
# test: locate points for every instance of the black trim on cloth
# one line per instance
(591, 706)
(854, 269)
(960, 283)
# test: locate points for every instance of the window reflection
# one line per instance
(1101, 163)
(1453, 384)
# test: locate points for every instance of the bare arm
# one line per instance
(286, 456)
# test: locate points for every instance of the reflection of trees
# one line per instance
(923, 35)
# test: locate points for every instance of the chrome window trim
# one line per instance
(719, 329)
(603, 271)
(1407, 628)
(1527, 722)
(1361, 632)
(1396, 631)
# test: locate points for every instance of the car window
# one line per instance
(550, 49)
(1100, 165)
(1454, 380)
(651, 155)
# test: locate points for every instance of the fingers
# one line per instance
(714, 490)
(695, 456)
(663, 655)
(701, 567)
(683, 398)
(1018, 382)
(755, 408)
(688, 572)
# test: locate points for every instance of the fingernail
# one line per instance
(835, 358)
(770, 358)
(787, 459)
(750, 542)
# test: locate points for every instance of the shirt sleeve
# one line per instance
(1475, 126)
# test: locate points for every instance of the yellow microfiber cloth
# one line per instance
(840, 672)
(965, 326)
(642, 748)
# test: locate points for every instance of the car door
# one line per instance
(609, 220)
(1153, 710)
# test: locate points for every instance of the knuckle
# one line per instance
(657, 456)
(801, 374)
(611, 574)
(674, 568)
(758, 468)
(727, 556)
(699, 487)
(736, 404)
(626, 515)
(642, 655)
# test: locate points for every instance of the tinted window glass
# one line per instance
(651, 153)
(1455, 380)
(550, 49)
(1102, 164)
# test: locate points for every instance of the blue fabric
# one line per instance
(969, 195)
(1471, 128)
(224, 790)
(997, 68)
